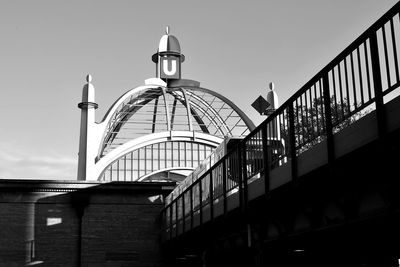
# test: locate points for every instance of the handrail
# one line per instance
(354, 83)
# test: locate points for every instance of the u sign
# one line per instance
(169, 68)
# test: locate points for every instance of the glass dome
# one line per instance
(153, 110)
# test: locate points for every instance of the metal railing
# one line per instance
(359, 80)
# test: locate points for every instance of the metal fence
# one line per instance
(359, 80)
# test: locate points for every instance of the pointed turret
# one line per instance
(274, 128)
(87, 152)
(272, 99)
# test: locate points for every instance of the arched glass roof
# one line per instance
(150, 110)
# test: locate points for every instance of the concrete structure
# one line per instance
(327, 195)
(159, 131)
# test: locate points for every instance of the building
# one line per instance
(160, 131)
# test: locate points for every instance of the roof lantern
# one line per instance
(169, 45)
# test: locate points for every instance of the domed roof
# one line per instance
(148, 110)
(170, 44)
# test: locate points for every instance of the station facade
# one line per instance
(152, 137)
(160, 131)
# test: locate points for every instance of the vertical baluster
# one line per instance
(353, 79)
(322, 107)
(328, 119)
(170, 220)
(191, 206)
(307, 110)
(240, 180)
(292, 143)
(211, 195)
(297, 130)
(184, 209)
(265, 158)
(335, 96)
(367, 69)
(396, 63)
(176, 217)
(376, 73)
(360, 76)
(311, 113)
(302, 125)
(341, 94)
(199, 181)
(316, 109)
(244, 175)
(347, 87)
(224, 185)
(385, 49)
(282, 129)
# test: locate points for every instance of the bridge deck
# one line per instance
(358, 134)
(312, 145)
(318, 176)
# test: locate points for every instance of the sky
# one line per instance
(232, 47)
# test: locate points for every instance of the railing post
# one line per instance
(328, 120)
(183, 213)
(377, 80)
(176, 217)
(211, 196)
(224, 181)
(170, 221)
(240, 176)
(266, 170)
(292, 140)
(244, 176)
(191, 207)
(200, 201)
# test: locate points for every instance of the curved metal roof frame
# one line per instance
(125, 107)
(129, 111)
(164, 170)
(121, 151)
(243, 115)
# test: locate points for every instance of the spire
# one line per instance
(88, 100)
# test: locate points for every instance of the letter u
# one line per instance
(166, 70)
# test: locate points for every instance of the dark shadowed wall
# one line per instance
(70, 223)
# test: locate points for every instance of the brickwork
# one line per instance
(93, 225)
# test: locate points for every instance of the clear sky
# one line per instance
(233, 47)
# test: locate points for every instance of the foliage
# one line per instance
(309, 121)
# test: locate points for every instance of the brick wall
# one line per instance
(80, 224)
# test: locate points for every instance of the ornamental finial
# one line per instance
(167, 30)
(271, 86)
(88, 78)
